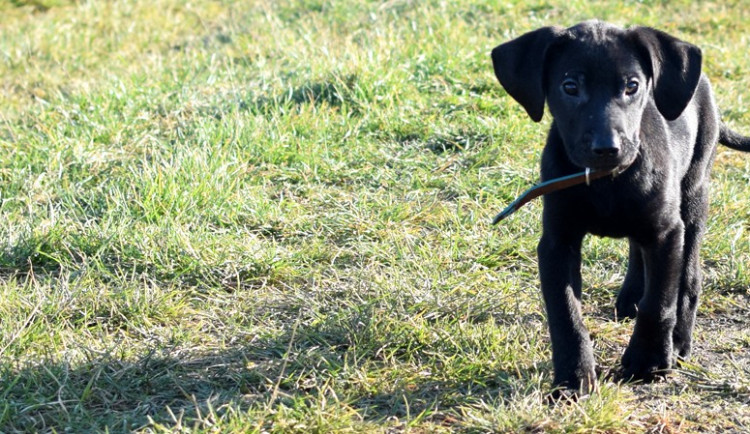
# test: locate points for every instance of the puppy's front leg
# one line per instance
(560, 273)
(649, 353)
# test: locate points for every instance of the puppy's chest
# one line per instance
(605, 206)
(618, 212)
(611, 208)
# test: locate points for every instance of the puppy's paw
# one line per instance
(641, 363)
(626, 305)
(563, 396)
(682, 343)
(576, 384)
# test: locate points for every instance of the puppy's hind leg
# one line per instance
(695, 211)
(631, 292)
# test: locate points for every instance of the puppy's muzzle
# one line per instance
(604, 151)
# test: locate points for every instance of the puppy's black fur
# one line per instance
(633, 100)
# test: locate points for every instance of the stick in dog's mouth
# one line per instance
(554, 185)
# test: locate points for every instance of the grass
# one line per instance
(225, 216)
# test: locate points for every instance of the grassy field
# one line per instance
(249, 216)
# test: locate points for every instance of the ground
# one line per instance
(226, 216)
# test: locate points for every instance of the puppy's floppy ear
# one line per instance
(519, 66)
(676, 68)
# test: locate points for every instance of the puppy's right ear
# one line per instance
(519, 66)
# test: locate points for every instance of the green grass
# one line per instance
(227, 216)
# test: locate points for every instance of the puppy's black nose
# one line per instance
(603, 145)
(606, 151)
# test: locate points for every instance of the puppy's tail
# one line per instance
(733, 140)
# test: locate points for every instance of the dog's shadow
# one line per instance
(169, 386)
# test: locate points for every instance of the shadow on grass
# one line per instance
(334, 91)
(170, 387)
(118, 395)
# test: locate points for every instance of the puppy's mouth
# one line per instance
(604, 165)
(600, 164)
(616, 167)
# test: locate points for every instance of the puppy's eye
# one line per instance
(570, 87)
(631, 87)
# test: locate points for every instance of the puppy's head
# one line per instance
(597, 80)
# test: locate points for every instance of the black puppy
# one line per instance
(634, 102)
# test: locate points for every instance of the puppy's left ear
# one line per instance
(676, 69)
